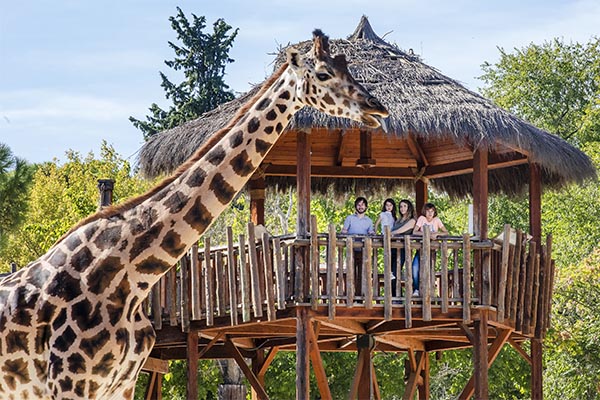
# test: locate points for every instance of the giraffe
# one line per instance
(71, 322)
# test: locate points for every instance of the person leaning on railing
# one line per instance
(427, 220)
(402, 226)
(358, 224)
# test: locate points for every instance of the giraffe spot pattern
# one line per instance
(58, 258)
(108, 238)
(223, 190)
(102, 275)
(241, 164)
(37, 275)
(16, 341)
(24, 306)
(42, 337)
(117, 299)
(281, 108)
(268, 130)
(285, 95)
(145, 240)
(144, 339)
(216, 155)
(104, 366)
(66, 384)
(253, 125)
(41, 368)
(236, 139)
(152, 265)
(93, 389)
(176, 202)
(172, 244)
(262, 147)
(198, 217)
(79, 389)
(46, 312)
(15, 370)
(264, 103)
(142, 285)
(64, 286)
(60, 319)
(76, 363)
(56, 365)
(328, 99)
(122, 339)
(82, 259)
(279, 127)
(90, 230)
(94, 344)
(196, 178)
(86, 316)
(271, 115)
(65, 340)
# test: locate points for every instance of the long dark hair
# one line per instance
(393, 207)
(411, 209)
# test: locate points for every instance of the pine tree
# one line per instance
(202, 58)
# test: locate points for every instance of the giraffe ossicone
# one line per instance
(71, 323)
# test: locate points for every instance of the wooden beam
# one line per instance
(153, 364)
(535, 202)
(480, 193)
(256, 188)
(413, 379)
(520, 350)
(416, 150)
(493, 352)
(480, 356)
(192, 365)
(302, 355)
(317, 364)
(344, 172)
(256, 385)
(466, 166)
(343, 145)
(537, 389)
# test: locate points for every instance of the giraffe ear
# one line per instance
(293, 57)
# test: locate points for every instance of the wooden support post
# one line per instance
(362, 385)
(415, 375)
(239, 359)
(301, 255)
(535, 202)
(480, 355)
(537, 392)
(192, 365)
(302, 354)
(256, 187)
(318, 368)
(424, 392)
(480, 193)
(420, 195)
(257, 362)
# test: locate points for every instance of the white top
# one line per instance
(386, 219)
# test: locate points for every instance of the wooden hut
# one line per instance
(260, 295)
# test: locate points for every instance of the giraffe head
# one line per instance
(325, 83)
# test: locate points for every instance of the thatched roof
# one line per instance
(421, 101)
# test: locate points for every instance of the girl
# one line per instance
(427, 220)
(403, 225)
(387, 217)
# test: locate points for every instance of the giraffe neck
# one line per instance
(176, 216)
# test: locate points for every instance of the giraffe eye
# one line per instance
(322, 76)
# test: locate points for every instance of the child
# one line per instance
(387, 217)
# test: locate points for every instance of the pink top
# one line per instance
(435, 225)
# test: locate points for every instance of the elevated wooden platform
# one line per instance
(257, 296)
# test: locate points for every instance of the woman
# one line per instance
(427, 220)
(404, 225)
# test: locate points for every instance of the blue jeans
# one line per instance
(415, 270)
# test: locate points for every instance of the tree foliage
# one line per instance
(15, 181)
(202, 59)
(61, 195)
(555, 85)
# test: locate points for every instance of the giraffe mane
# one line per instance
(212, 141)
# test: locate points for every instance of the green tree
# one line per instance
(555, 85)
(61, 195)
(202, 58)
(15, 181)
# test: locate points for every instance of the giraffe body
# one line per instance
(71, 325)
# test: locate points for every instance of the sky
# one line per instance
(72, 72)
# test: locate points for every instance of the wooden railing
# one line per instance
(252, 277)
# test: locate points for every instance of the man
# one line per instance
(358, 224)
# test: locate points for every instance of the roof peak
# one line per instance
(365, 31)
